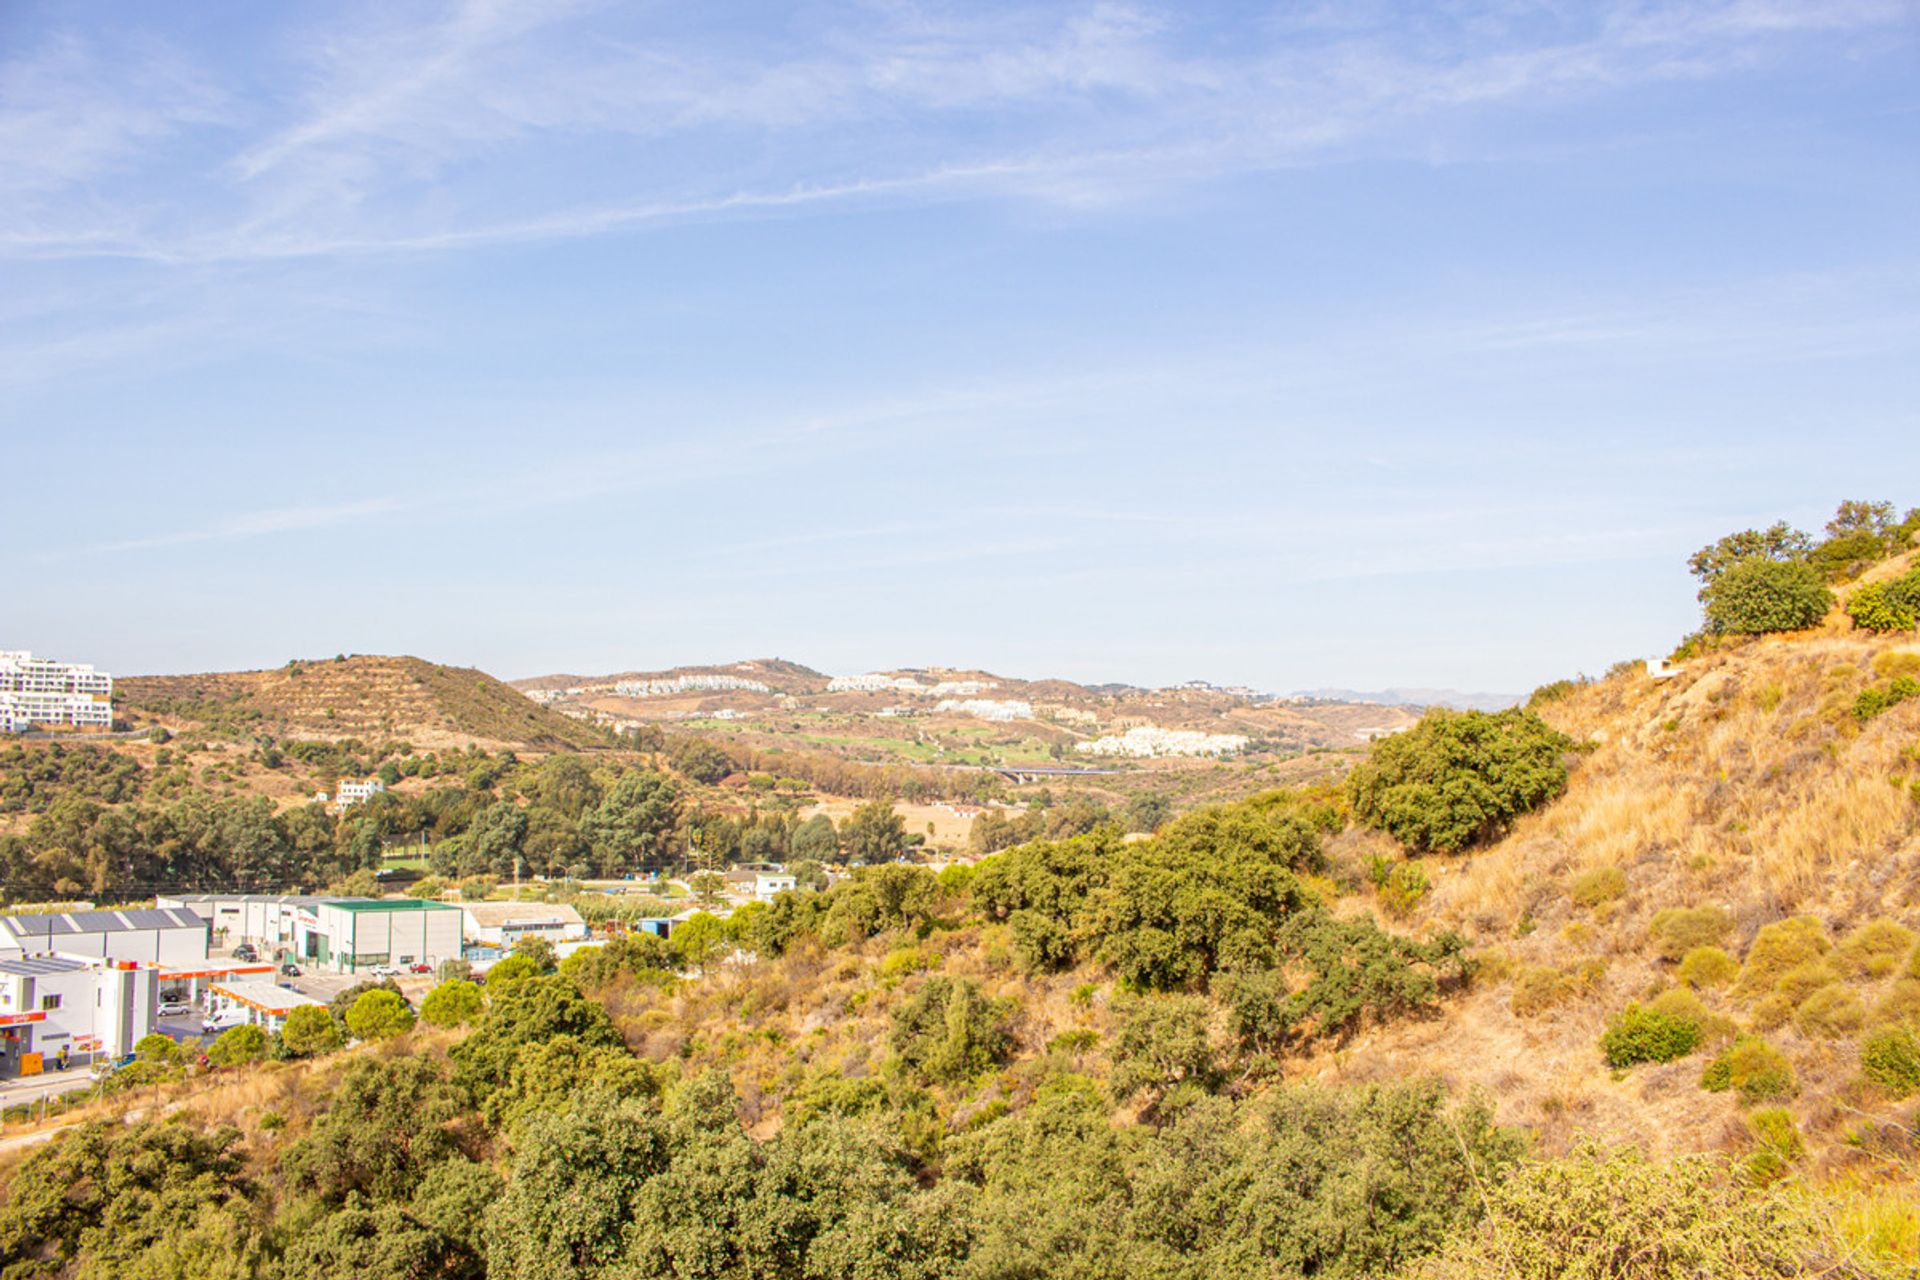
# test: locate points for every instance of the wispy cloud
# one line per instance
(251, 524)
(385, 145)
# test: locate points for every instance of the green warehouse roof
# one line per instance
(393, 904)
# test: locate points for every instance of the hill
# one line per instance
(425, 703)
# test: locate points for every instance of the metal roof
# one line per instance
(44, 964)
(264, 996)
(389, 904)
(488, 914)
(60, 924)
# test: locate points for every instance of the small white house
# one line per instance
(501, 924)
(769, 884)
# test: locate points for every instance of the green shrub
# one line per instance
(379, 1015)
(238, 1045)
(1459, 777)
(1882, 698)
(1831, 1013)
(1776, 1144)
(1704, 967)
(452, 1004)
(155, 1047)
(1777, 948)
(1756, 596)
(1639, 1034)
(1404, 887)
(948, 1031)
(1678, 930)
(1601, 884)
(1876, 948)
(1161, 1042)
(1619, 1214)
(1890, 1057)
(1876, 608)
(1753, 1069)
(310, 1030)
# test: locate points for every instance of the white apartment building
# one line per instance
(1148, 741)
(352, 791)
(40, 691)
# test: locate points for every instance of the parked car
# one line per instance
(245, 951)
(422, 968)
(174, 1008)
(384, 971)
(221, 1022)
(290, 970)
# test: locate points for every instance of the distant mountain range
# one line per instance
(1419, 698)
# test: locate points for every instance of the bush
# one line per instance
(1403, 888)
(948, 1031)
(1639, 1034)
(1875, 607)
(1678, 930)
(1876, 948)
(1618, 1215)
(1757, 596)
(1831, 1013)
(1602, 884)
(1704, 967)
(1537, 988)
(451, 1004)
(1771, 1011)
(1801, 981)
(379, 1015)
(1891, 666)
(1161, 1042)
(1779, 947)
(1753, 1069)
(155, 1047)
(237, 1046)
(1459, 777)
(310, 1030)
(1901, 1003)
(1883, 698)
(1890, 1057)
(1776, 1142)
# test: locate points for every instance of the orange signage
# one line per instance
(21, 1019)
(228, 971)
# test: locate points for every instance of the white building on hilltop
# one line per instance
(40, 691)
(352, 791)
(1002, 710)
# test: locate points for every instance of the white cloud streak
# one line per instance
(399, 135)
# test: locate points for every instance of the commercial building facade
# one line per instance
(274, 923)
(501, 924)
(39, 692)
(354, 936)
(169, 937)
(84, 1006)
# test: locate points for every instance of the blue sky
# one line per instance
(1290, 345)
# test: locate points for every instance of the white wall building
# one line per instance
(87, 1007)
(988, 708)
(170, 937)
(39, 691)
(1150, 740)
(355, 935)
(501, 924)
(699, 683)
(273, 922)
(352, 791)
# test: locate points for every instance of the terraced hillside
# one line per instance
(425, 703)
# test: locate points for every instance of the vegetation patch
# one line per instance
(1642, 1034)
(1459, 778)
(1753, 1069)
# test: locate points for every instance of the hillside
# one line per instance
(426, 703)
(1745, 786)
(954, 717)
